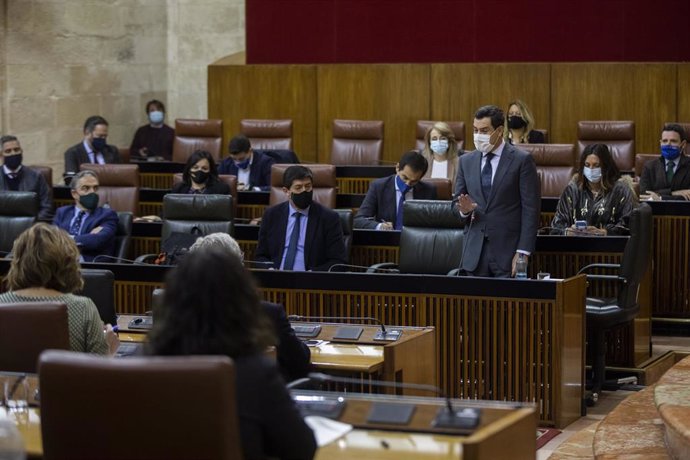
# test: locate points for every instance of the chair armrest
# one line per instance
(454, 272)
(145, 259)
(590, 266)
(385, 265)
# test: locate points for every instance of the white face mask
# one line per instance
(439, 147)
(481, 142)
(592, 174)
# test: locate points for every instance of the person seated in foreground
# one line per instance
(211, 307)
(300, 234)
(597, 195)
(200, 175)
(292, 354)
(45, 268)
(383, 204)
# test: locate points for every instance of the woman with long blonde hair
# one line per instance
(441, 151)
(519, 127)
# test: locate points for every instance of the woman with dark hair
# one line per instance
(45, 268)
(597, 195)
(200, 175)
(211, 307)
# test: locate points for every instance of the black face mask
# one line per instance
(199, 177)
(98, 144)
(89, 201)
(13, 161)
(302, 200)
(516, 122)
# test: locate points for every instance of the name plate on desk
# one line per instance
(308, 331)
(348, 333)
(391, 413)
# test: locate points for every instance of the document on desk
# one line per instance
(326, 430)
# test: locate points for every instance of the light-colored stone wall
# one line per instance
(64, 60)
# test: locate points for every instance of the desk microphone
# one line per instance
(466, 234)
(104, 257)
(447, 417)
(363, 267)
(259, 263)
(384, 334)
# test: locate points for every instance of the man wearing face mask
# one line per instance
(93, 228)
(93, 148)
(154, 140)
(300, 234)
(668, 178)
(382, 206)
(16, 177)
(499, 197)
(253, 169)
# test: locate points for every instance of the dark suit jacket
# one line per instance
(293, 355)
(323, 245)
(76, 155)
(270, 423)
(654, 178)
(509, 219)
(380, 202)
(33, 181)
(259, 173)
(91, 245)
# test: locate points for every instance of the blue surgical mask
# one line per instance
(592, 174)
(439, 146)
(156, 117)
(670, 152)
(98, 144)
(402, 186)
(242, 164)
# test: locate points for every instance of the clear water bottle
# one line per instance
(521, 267)
(11, 443)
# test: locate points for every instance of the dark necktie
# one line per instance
(76, 225)
(292, 246)
(486, 176)
(669, 172)
(399, 214)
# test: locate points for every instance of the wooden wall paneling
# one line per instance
(458, 90)
(266, 91)
(642, 92)
(683, 109)
(398, 94)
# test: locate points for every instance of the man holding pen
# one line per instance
(382, 207)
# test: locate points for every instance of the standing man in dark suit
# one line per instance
(383, 204)
(93, 228)
(253, 169)
(17, 177)
(499, 197)
(93, 149)
(668, 178)
(300, 234)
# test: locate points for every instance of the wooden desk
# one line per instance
(505, 431)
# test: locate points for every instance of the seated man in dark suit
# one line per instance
(16, 177)
(668, 178)
(93, 228)
(292, 354)
(253, 169)
(383, 204)
(300, 234)
(92, 149)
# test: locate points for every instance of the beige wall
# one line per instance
(63, 60)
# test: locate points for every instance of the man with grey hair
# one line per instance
(292, 354)
(17, 177)
(92, 227)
